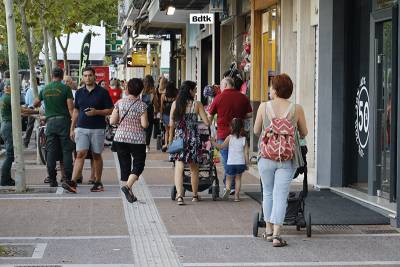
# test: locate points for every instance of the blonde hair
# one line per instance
(162, 85)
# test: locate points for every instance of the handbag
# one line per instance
(114, 145)
(176, 146)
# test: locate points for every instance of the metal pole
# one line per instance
(20, 185)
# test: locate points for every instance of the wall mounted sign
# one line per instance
(362, 117)
(202, 18)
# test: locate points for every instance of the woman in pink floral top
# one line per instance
(130, 138)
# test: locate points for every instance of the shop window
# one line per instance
(269, 48)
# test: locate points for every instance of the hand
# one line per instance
(72, 135)
(91, 112)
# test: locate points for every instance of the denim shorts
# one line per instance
(89, 138)
(165, 119)
(233, 170)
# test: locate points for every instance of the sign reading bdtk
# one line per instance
(202, 18)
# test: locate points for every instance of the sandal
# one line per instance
(130, 197)
(267, 236)
(196, 198)
(281, 243)
(179, 200)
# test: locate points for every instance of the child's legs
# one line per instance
(238, 184)
(228, 182)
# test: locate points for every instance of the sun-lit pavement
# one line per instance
(87, 228)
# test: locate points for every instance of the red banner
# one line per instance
(102, 73)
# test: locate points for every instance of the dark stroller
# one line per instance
(295, 211)
(208, 178)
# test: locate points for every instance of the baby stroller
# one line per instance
(295, 211)
(208, 178)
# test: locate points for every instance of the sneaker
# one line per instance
(70, 186)
(226, 194)
(232, 192)
(97, 187)
(130, 197)
(91, 181)
(53, 183)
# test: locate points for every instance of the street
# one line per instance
(88, 229)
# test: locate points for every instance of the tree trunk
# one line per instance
(46, 54)
(34, 85)
(65, 54)
(53, 50)
(20, 185)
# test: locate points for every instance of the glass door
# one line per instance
(383, 45)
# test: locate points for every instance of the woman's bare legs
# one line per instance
(179, 166)
(194, 171)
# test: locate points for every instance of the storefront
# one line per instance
(264, 35)
(357, 140)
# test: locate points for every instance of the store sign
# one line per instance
(202, 18)
(362, 117)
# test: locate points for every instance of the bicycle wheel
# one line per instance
(42, 145)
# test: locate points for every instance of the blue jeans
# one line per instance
(224, 155)
(276, 177)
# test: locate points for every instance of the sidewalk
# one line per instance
(102, 229)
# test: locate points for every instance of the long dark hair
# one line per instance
(184, 97)
(237, 127)
(171, 91)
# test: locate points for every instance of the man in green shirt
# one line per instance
(6, 133)
(58, 100)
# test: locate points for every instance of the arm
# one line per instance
(301, 122)
(155, 104)
(28, 111)
(74, 119)
(211, 118)
(259, 120)
(144, 120)
(202, 113)
(70, 104)
(162, 104)
(223, 145)
(99, 112)
(246, 153)
(171, 123)
(114, 119)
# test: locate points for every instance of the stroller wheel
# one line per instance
(308, 226)
(255, 224)
(173, 193)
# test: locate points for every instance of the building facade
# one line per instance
(358, 100)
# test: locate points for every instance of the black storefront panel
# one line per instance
(356, 95)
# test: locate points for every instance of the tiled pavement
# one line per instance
(93, 229)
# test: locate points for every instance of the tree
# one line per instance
(22, 7)
(20, 184)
